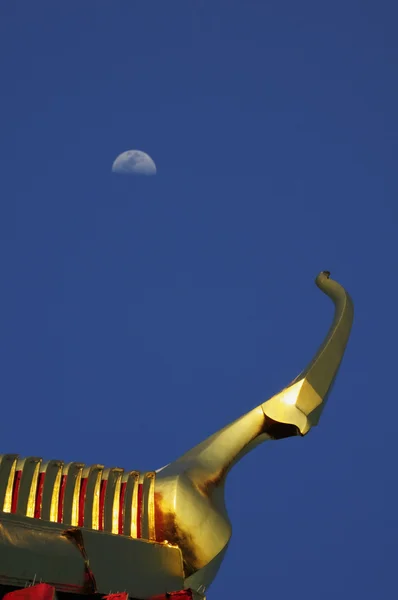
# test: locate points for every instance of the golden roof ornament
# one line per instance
(91, 529)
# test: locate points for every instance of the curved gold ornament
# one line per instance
(182, 505)
(190, 492)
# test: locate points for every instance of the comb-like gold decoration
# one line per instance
(73, 494)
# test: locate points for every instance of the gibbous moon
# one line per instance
(134, 162)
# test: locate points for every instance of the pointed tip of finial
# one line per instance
(321, 277)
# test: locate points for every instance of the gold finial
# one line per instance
(298, 405)
(302, 402)
(189, 492)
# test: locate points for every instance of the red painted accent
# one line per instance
(61, 498)
(104, 483)
(121, 506)
(61, 587)
(181, 595)
(82, 499)
(41, 591)
(39, 494)
(139, 510)
(15, 491)
(122, 596)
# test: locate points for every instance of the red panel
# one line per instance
(15, 491)
(39, 494)
(121, 506)
(42, 591)
(61, 498)
(139, 510)
(104, 483)
(82, 499)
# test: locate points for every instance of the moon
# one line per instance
(134, 162)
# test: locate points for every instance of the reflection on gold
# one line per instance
(31, 470)
(8, 465)
(116, 504)
(134, 506)
(75, 500)
(302, 402)
(149, 506)
(96, 496)
(55, 495)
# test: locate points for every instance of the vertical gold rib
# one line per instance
(148, 506)
(97, 488)
(8, 464)
(33, 489)
(91, 503)
(51, 487)
(106, 476)
(112, 499)
(73, 472)
(134, 507)
(27, 490)
(116, 501)
(75, 502)
(130, 503)
(55, 496)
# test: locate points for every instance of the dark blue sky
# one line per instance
(139, 315)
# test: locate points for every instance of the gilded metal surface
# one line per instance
(130, 507)
(70, 504)
(145, 569)
(148, 510)
(113, 477)
(302, 402)
(32, 550)
(78, 495)
(29, 468)
(91, 500)
(181, 505)
(8, 465)
(51, 489)
(189, 493)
